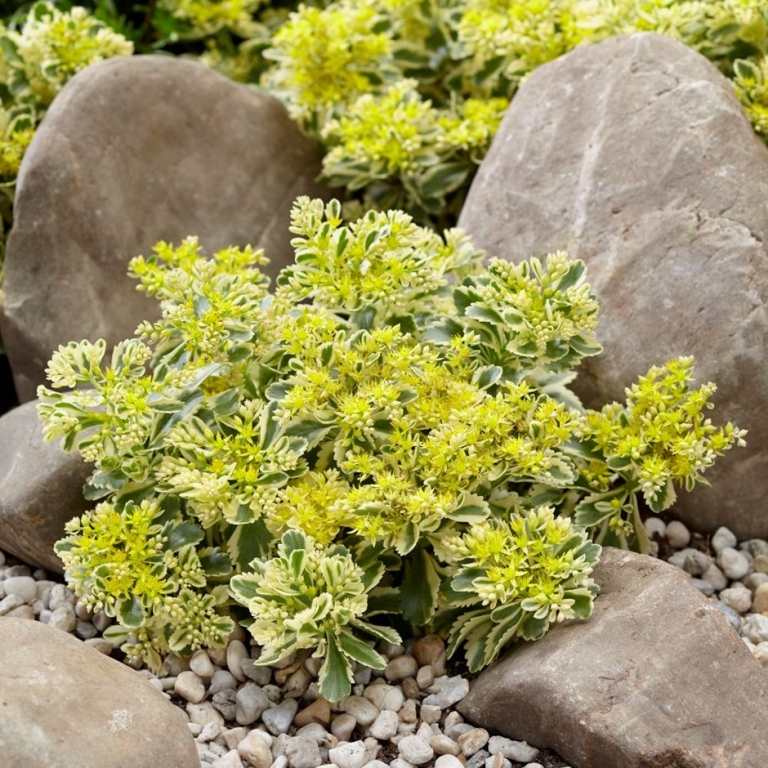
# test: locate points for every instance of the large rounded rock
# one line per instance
(635, 156)
(65, 705)
(135, 150)
(41, 487)
(656, 678)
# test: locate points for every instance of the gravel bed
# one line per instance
(246, 716)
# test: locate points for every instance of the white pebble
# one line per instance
(352, 754)
(722, 539)
(447, 691)
(250, 702)
(23, 587)
(448, 761)
(737, 597)
(342, 726)
(384, 727)
(734, 564)
(385, 696)
(755, 628)
(190, 687)
(278, 719)
(514, 750)
(236, 652)
(63, 618)
(222, 680)
(361, 708)
(473, 741)
(229, 760)
(655, 526)
(678, 535)
(415, 750)
(715, 578)
(255, 751)
(200, 664)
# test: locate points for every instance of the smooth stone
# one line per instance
(363, 710)
(67, 705)
(128, 155)
(723, 538)
(384, 727)
(447, 691)
(251, 702)
(384, 697)
(351, 754)
(415, 750)
(255, 751)
(626, 688)
(41, 489)
(511, 749)
(733, 563)
(303, 752)
(678, 535)
(278, 719)
(190, 687)
(401, 667)
(635, 155)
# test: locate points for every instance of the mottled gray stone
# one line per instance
(135, 150)
(64, 704)
(635, 686)
(41, 488)
(635, 156)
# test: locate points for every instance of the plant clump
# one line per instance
(406, 96)
(386, 439)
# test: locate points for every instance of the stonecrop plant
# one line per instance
(385, 439)
(406, 95)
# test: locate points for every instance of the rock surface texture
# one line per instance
(41, 487)
(635, 156)
(64, 705)
(655, 679)
(135, 150)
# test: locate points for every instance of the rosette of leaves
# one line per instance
(312, 598)
(515, 577)
(392, 395)
(142, 564)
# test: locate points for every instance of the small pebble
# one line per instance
(385, 696)
(384, 727)
(351, 754)
(473, 741)
(251, 702)
(427, 650)
(190, 687)
(23, 587)
(415, 750)
(514, 750)
(722, 539)
(236, 652)
(222, 680)
(230, 760)
(63, 618)
(447, 691)
(714, 576)
(448, 761)
(200, 664)
(737, 597)
(444, 745)
(733, 563)
(760, 600)
(361, 708)
(278, 719)
(303, 752)
(342, 726)
(678, 535)
(400, 668)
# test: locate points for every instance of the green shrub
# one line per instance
(389, 432)
(406, 95)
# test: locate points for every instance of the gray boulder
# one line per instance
(41, 487)
(656, 678)
(65, 705)
(135, 150)
(635, 156)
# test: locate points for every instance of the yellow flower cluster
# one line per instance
(752, 89)
(389, 412)
(201, 18)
